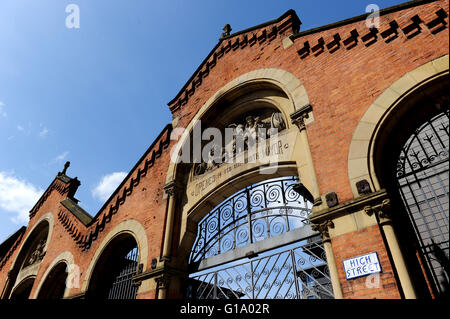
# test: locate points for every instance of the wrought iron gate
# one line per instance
(122, 286)
(423, 181)
(300, 272)
(260, 213)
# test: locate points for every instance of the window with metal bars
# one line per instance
(113, 274)
(423, 183)
(122, 287)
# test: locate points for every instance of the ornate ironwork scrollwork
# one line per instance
(263, 210)
(422, 179)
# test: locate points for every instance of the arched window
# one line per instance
(22, 290)
(113, 274)
(28, 261)
(258, 244)
(423, 183)
(55, 283)
(411, 162)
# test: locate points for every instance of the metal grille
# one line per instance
(423, 180)
(297, 272)
(258, 212)
(122, 286)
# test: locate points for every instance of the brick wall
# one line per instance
(359, 243)
(144, 203)
(341, 85)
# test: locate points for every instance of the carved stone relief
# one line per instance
(37, 255)
(245, 134)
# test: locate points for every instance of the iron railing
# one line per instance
(122, 286)
(423, 181)
(297, 272)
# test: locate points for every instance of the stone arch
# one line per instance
(279, 78)
(22, 289)
(18, 271)
(243, 90)
(362, 147)
(66, 258)
(131, 227)
(45, 218)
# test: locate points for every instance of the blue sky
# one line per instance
(97, 95)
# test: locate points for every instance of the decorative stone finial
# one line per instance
(66, 166)
(227, 29)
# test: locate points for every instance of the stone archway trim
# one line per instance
(49, 218)
(22, 280)
(65, 257)
(360, 156)
(130, 226)
(287, 81)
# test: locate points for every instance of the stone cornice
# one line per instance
(362, 17)
(389, 31)
(164, 271)
(299, 117)
(81, 295)
(287, 24)
(318, 217)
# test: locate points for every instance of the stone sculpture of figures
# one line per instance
(37, 254)
(213, 157)
(250, 128)
(276, 123)
(238, 139)
(244, 136)
(254, 130)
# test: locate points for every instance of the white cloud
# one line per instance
(2, 110)
(61, 157)
(17, 196)
(43, 132)
(108, 185)
(20, 128)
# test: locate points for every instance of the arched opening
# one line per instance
(112, 277)
(411, 161)
(243, 214)
(258, 244)
(54, 285)
(23, 290)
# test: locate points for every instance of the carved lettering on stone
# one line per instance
(245, 135)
